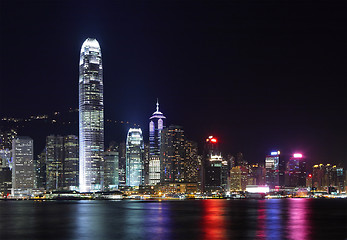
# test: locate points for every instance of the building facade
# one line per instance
(328, 176)
(192, 162)
(272, 166)
(172, 155)
(91, 117)
(111, 166)
(54, 162)
(122, 164)
(134, 158)
(23, 172)
(296, 171)
(71, 164)
(212, 166)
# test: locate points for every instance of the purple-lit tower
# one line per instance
(296, 171)
(156, 124)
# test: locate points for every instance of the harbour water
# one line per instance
(188, 219)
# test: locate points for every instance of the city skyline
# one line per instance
(249, 140)
(271, 91)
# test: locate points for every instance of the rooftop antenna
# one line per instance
(157, 105)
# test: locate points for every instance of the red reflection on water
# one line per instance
(298, 223)
(213, 223)
(261, 218)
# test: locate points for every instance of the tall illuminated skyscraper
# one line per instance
(134, 157)
(156, 125)
(91, 117)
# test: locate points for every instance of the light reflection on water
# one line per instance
(157, 222)
(261, 220)
(274, 219)
(298, 223)
(200, 219)
(213, 220)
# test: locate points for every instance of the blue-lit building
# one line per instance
(91, 117)
(134, 157)
(272, 167)
(156, 125)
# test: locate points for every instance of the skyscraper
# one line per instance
(40, 170)
(54, 162)
(91, 117)
(71, 162)
(192, 162)
(5, 158)
(146, 164)
(212, 166)
(111, 166)
(122, 164)
(296, 171)
(173, 155)
(272, 165)
(134, 157)
(61, 157)
(156, 125)
(23, 172)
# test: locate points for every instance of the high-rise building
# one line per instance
(156, 125)
(61, 162)
(146, 164)
(122, 164)
(296, 171)
(319, 181)
(325, 177)
(173, 155)
(91, 117)
(40, 170)
(272, 166)
(54, 162)
(225, 175)
(340, 177)
(192, 162)
(111, 166)
(212, 166)
(258, 173)
(238, 178)
(6, 138)
(134, 157)
(5, 158)
(71, 165)
(5, 181)
(154, 169)
(23, 172)
(240, 160)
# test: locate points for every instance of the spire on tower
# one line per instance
(157, 105)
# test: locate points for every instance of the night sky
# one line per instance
(259, 75)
